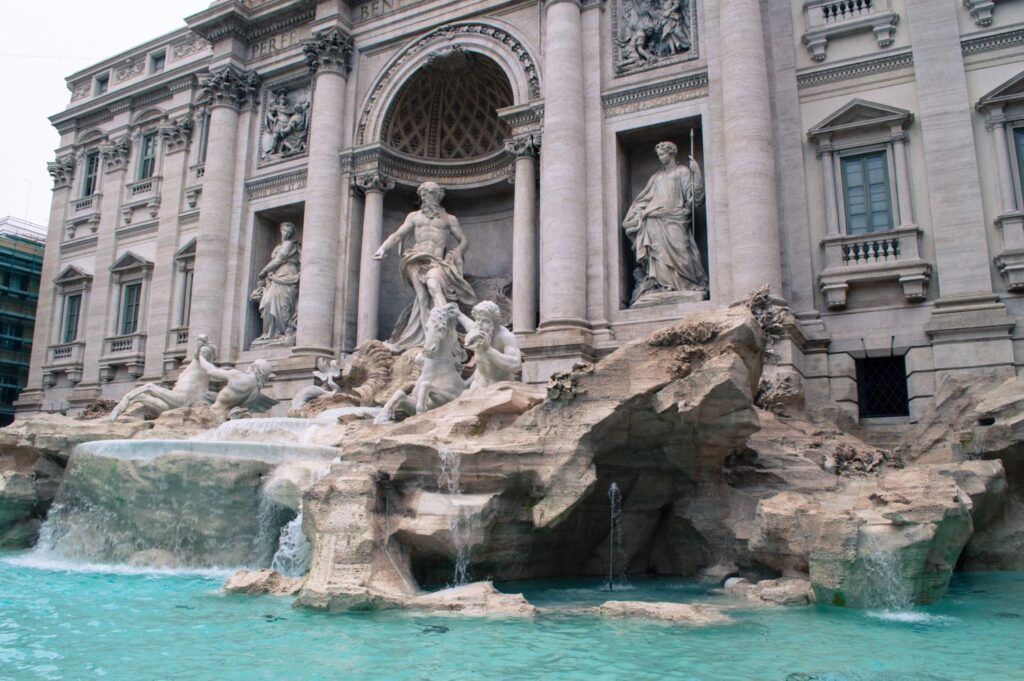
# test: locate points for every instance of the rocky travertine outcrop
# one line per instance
(262, 582)
(672, 613)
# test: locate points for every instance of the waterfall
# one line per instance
(293, 550)
(459, 527)
(616, 568)
(883, 573)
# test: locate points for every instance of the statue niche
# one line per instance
(660, 227)
(277, 291)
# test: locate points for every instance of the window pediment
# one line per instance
(1010, 92)
(859, 117)
(186, 252)
(73, 277)
(130, 265)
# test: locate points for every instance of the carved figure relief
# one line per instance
(659, 224)
(277, 289)
(285, 126)
(652, 32)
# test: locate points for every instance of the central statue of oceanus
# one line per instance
(432, 269)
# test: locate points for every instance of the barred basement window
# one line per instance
(882, 387)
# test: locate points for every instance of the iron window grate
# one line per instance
(882, 387)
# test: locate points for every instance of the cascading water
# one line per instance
(882, 569)
(293, 551)
(616, 552)
(459, 527)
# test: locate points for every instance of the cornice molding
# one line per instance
(995, 41)
(263, 187)
(869, 67)
(690, 86)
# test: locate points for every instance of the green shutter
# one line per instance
(130, 308)
(72, 309)
(147, 160)
(866, 193)
(1018, 136)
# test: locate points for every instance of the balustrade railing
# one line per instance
(841, 10)
(871, 250)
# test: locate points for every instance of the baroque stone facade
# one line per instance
(871, 181)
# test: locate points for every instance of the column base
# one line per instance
(307, 350)
(553, 350)
(971, 333)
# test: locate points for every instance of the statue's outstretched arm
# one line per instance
(212, 370)
(394, 239)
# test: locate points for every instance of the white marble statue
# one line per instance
(660, 226)
(241, 389)
(188, 391)
(495, 348)
(441, 362)
(432, 269)
(277, 288)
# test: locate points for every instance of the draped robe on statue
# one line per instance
(667, 256)
(416, 266)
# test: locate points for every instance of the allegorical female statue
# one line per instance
(277, 287)
(660, 225)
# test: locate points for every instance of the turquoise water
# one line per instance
(60, 624)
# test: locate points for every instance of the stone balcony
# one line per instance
(141, 194)
(882, 256)
(176, 349)
(128, 351)
(85, 210)
(829, 19)
(64, 358)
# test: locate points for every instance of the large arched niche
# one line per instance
(494, 40)
(433, 115)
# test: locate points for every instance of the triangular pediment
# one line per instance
(1010, 91)
(186, 251)
(130, 261)
(860, 114)
(72, 275)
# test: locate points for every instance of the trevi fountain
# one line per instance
(448, 497)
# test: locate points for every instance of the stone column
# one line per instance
(997, 126)
(374, 186)
(563, 235)
(828, 189)
(163, 298)
(102, 309)
(327, 55)
(899, 154)
(749, 159)
(228, 90)
(524, 234)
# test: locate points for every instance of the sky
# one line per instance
(41, 43)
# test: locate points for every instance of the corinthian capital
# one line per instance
(116, 153)
(230, 86)
(177, 133)
(329, 50)
(525, 145)
(374, 182)
(62, 171)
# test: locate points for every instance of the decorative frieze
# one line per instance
(277, 184)
(80, 89)
(329, 50)
(652, 33)
(412, 172)
(230, 86)
(526, 145)
(995, 41)
(132, 67)
(368, 10)
(188, 45)
(652, 95)
(116, 153)
(892, 62)
(62, 171)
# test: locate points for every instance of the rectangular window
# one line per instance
(92, 171)
(102, 84)
(204, 138)
(185, 307)
(882, 387)
(1018, 138)
(147, 156)
(131, 295)
(157, 62)
(72, 311)
(866, 193)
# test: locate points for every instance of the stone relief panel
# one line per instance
(652, 33)
(285, 121)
